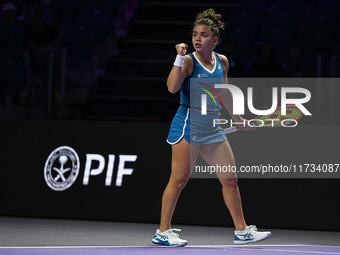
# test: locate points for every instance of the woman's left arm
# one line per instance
(227, 97)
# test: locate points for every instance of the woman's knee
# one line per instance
(179, 182)
(229, 182)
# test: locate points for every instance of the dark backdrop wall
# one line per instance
(278, 202)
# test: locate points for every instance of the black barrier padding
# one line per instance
(271, 203)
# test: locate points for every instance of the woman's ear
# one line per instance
(215, 41)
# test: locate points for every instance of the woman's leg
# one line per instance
(221, 154)
(184, 157)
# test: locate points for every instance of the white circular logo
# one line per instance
(61, 168)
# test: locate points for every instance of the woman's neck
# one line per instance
(206, 58)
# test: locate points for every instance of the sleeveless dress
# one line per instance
(189, 122)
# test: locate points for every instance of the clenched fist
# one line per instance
(181, 49)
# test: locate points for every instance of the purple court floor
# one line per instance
(27, 236)
(189, 250)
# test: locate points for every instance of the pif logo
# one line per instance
(61, 168)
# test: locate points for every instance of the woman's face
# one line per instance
(203, 39)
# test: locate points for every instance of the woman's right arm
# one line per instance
(178, 73)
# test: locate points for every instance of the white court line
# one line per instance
(294, 251)
(70, 247)
(252, 245)
(139, 246)
(153, 245)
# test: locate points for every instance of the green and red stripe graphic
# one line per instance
(209, 93)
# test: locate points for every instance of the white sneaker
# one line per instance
(250, 235)
(169, 238)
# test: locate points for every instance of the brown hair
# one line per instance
(210, 19)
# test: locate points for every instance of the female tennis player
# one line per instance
(189, 136)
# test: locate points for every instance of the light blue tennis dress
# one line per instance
(188, 122)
